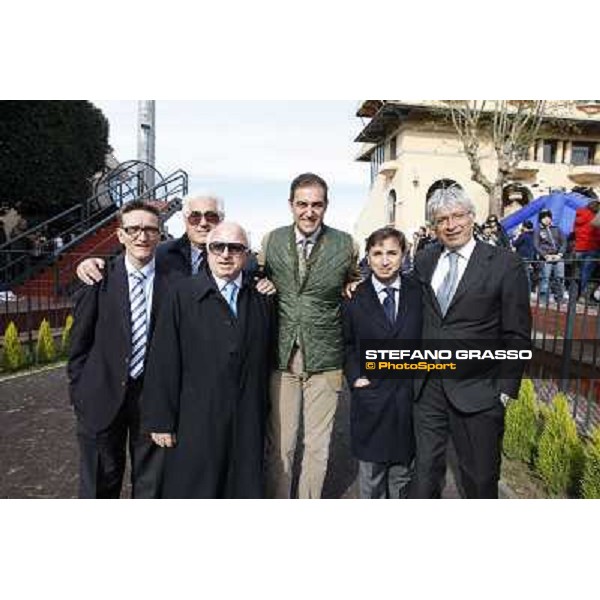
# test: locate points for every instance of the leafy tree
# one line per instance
(49, 151)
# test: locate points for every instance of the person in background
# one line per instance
(587, 242)
(551, 244)
(498, 233)
(525, 248)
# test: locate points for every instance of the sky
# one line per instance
(247, 152)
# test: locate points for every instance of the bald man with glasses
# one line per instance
(205, 398)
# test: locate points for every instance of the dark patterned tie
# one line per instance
(389, 304)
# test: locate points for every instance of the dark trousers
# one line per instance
(477, 439)
(102, 456)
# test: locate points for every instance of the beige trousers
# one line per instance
(295, 394)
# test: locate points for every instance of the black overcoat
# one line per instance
(381, 426)
(207, 381)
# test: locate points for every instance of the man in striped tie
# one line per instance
(111, 331)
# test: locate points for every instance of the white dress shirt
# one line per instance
(382, 294)
(148, 271)
(443, 265)
(223, 283)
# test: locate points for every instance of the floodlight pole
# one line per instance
(146, 138)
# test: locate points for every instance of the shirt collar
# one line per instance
(196, 252)
(312, 238)
(147, 270)
(221, 283)
(379, 287)
(464, 251)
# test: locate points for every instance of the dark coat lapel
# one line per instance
(428, 269)
(372, 305)
(477, 269)
(159, 291)
(121, 287)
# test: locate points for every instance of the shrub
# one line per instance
(65, 341)
(45, 350)
(590, 482)
(560, 454)
(13, 356)
(522, 424)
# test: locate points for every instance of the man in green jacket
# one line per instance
(309, 263)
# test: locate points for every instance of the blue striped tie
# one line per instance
(138, 325)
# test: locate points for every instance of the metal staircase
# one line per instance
(87, 229)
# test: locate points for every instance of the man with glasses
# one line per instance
(181, 257)
(309, 263)
(471, 291)
(205, 398)
(113, 324)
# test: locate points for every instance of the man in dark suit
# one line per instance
(205, 397)
(472, 291)
(387, 305)
(113, 323)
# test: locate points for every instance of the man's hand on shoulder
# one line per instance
(265, 286)
(350, 288)
(90, 270)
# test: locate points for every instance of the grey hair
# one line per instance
(185, 205)
(448, 198)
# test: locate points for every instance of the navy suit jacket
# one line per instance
(381, 428)
(100, 350)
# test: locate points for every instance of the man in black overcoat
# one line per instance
(477, 292)
(205, 397)
(387, 305)
(113, 324)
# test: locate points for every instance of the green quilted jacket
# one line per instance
(309, 310)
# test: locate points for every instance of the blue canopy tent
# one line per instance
(562, 205)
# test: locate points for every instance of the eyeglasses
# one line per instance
(210, 216)
(233, 248)
(134, 231)
(461, 217)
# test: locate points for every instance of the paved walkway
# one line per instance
(38, 450)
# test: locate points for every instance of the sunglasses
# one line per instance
(134, 231)
(210, 216)
(234, 248)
